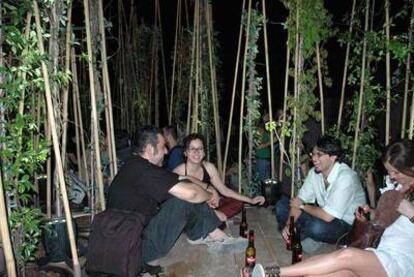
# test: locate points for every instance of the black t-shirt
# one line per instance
(140, 186)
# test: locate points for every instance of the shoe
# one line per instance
(227, 244)
(207, 240)
(310, 246)
(151, 269)
(258, 271)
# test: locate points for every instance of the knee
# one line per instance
(347, 254)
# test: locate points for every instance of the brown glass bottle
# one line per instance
(243, 224)
(250, 257)
(291, 233)
(297, 254)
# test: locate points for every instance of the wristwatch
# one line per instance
(301, 207)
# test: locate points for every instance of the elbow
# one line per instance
(198, 196)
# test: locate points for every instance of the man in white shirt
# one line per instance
(325, 205)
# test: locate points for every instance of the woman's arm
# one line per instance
(225, 191)
(406, 208)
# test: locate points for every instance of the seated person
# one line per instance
(175, 155)
(133, 198)
(325, 204)
(394, 255)
(196, 167)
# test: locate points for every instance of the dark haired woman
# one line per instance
(196, 167)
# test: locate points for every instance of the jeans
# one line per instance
(174, 217)
(262, 168)
(311, 226)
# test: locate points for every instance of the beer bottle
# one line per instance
(250, 258)
(296, 248)
(243, 224)
(291, 233)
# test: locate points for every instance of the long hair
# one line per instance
(400, 155)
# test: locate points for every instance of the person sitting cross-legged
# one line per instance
(394, 255)
(325, 204)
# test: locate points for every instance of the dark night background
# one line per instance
(226, 16)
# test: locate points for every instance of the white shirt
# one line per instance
(341, 197)
(396, 248)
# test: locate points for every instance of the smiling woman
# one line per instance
(206, 172)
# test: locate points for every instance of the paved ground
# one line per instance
(186, 260)
(196, 261)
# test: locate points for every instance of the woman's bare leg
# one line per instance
(348, 261)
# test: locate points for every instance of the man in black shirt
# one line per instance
(133, 197)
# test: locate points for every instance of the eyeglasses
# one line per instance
(317, 154)
(195, 150)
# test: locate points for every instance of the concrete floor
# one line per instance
(186, 260)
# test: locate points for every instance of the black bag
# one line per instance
(115, 243)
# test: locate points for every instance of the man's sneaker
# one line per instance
(310, 246)
(207, 240)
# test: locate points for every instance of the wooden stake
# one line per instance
(107, 97)
(344, 77)
(5, 233)
(321, 100)
(240, 157)
(55, 140)
(284, 117)
(361, 87)
(94, 116)
(177, 23)
(269, 90)
(407, 73)
(387, 71)
(233, 94)
(213, 87)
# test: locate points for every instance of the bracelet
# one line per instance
(412, 219)
(302, 207)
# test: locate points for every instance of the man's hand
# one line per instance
(285, 233)
(257, 200)
(295, 203)
(215, 198)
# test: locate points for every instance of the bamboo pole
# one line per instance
(269, 90)
(410, 133)
(387, 71)
(164, 71)
(107, 97)
(48, 169)
(94, 116)
(5, 233)
(55, 140)
(197, 67)
(284, 117)
(407, 73)
(177, 23)
(66, 88)
(240, 153)
(344, 77)
(213, 88)
(361, 87)
(233, 94)
(83, 166)
(321, 100)
(190, 89)
(296, 89)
